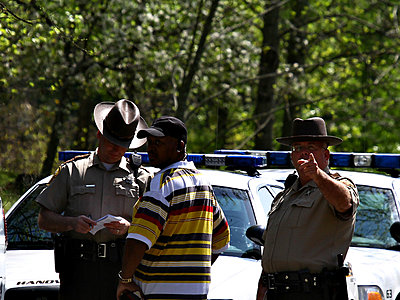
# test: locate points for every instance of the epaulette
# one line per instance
(345, 180)
(335, 175)
(77, 158)
(64, 163)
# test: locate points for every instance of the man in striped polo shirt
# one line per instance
(178, 229)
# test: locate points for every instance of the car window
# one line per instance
(22, 229)
(376, 213)
(238, 211)
(266, 195)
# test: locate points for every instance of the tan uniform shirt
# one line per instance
(305, 232)
(83, 186)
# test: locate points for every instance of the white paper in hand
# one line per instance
(102, 221)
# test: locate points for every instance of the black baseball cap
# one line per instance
(165, 126)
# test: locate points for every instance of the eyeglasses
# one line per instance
(308, 148)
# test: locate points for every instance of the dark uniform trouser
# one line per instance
(304, 296)
(88, 270)
(89, 280)
(296, 296)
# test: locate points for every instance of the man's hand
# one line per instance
(83, 224)
(131, 287)
(333, 190)
(308, 168)
(51, 221)
(118, 227)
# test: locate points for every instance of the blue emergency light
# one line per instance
(337, 159)
(208, 160)
(272, 158)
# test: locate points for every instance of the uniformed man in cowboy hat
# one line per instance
(87, 188)
(310, 223)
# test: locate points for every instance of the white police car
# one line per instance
(374, 254)
(243, 198)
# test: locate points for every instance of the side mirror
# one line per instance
(254, 233)
(395, 231)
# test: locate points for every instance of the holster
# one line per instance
(335, 283)
(59, 253)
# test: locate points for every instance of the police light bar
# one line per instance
(262, 159)
(208, 160)
(273, 158)
(337, 159)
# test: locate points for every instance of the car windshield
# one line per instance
(375, 214)
(238, 211)
(22, 229)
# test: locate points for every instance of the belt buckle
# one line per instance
(101, 250)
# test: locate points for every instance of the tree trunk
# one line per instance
(53, 143)
(222, 128)
(269, 62)
(296, 56)
(81, 140)
(184, 89)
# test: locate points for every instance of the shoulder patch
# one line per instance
(55, 174)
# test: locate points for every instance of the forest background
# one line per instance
(236, 71)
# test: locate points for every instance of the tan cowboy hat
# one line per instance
(120, 122)
(312, 129)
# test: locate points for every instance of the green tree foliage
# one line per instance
(349, 73)
(199, 60)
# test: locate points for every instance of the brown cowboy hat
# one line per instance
(120, 122)
(312, 129)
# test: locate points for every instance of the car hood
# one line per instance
(234, 278)
(384, 262)
(26, 268)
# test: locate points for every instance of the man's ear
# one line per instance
(181, 146)
(327, 154)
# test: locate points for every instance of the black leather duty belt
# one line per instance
(92, 251)
(289, 282)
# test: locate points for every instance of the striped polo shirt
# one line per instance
(182, 224)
